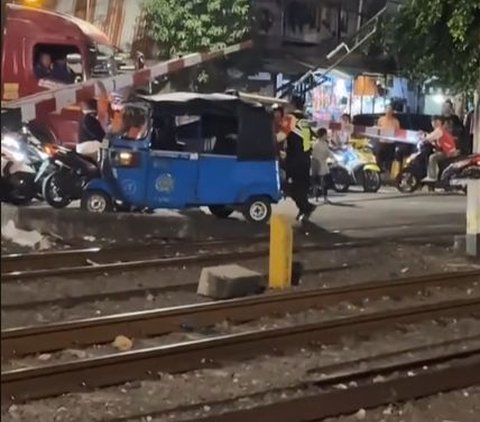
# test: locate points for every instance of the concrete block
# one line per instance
(229, 281)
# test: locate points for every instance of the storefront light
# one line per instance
(439, 98)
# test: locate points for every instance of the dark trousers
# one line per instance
(299, 193)
(385, 156)
(298, 169)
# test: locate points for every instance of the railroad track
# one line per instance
(77, 257)
(138, 292)
(86, 332)
(100, 261)
(93, 267)
(48, 380)
(323, 399)
(320, 398)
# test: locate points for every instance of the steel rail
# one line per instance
(459, 370)
(50, 380)
(86, 332)
(75, 257)
(356, 372)
(98, 268)
(120, 295)
(168, 262)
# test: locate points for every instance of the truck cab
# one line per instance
(30, 34)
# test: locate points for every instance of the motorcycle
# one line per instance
(17, 175)
(32, 150)
(72, 170)
(355, 166)
(466, 168)
(411, 177)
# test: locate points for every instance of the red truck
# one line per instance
(30, 33)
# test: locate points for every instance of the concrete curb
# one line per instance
(74, 224)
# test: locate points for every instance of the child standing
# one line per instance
(320, 170)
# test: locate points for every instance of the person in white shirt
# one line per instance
(320, 170)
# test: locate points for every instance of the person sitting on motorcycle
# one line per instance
(445, 144)
(341, 138)
(320, 169)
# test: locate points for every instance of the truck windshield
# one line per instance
(102, 61)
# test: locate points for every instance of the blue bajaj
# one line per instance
(197, 150)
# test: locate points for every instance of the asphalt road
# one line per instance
(387, 213)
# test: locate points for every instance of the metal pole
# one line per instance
(472, 238)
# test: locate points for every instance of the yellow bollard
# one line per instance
(281, 252)
(395, 170)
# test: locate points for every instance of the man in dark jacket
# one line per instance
(298, 170)
(90, 127)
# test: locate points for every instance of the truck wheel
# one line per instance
(258, 210)
(96, 201)
(220, 211)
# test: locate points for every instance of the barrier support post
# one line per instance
(281, 253)
(473, 218)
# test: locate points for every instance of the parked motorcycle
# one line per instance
(71, 172)
(355, 166)
(410, 178)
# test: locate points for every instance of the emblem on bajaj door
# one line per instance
(165, 183)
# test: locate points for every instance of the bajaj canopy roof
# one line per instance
(194, 103)
(255, 129)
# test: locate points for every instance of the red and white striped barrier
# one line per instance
(387, 135)
(56, 99)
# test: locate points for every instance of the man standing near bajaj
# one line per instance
(386, 148)
(298, 151)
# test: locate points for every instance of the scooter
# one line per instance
(71, 172)
(411, 177)
(17, 176)
(359, 164)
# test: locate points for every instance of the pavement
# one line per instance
(386, 213)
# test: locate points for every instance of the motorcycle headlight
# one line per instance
(10, 142)
(17, 156)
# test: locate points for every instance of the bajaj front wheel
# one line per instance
(96, 201)
(258, 210)
(220, 211)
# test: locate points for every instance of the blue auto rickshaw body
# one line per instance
(186, 165)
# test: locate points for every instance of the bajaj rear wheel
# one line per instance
(258, 210)
(96, 201)
(220, 211)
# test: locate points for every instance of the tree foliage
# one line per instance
(184, 26)
(439, 39)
